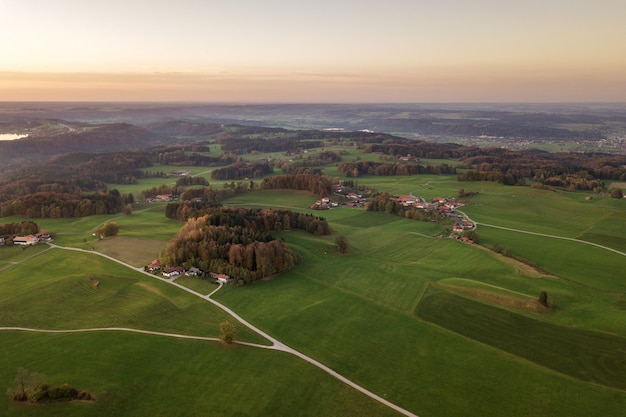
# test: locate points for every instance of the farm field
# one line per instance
(431, 324)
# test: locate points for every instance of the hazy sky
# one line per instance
(313, 51)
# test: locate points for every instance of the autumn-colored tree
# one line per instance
(227, 332)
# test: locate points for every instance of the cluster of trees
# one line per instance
(310, 164)
(358, 168)
(575, 182)
(16, 187)
(29, 387)
(22, 228)
(493, 176)
(323, 158)
(57, 205)
(115, 167)
(241, 145)
(395, 146)
(317, 184)
(182, 156)
(264, 220)
(188, 180)
(241, 170)
(107, 229)
(293, 169)
(243, 253)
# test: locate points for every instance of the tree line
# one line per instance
(241, 170)
(317, 184)
(264, 220)
(62, 205)
(242, 145)
(22, 228)
(358, 168)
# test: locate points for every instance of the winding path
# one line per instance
(275, 343)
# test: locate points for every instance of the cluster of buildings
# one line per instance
(178, 173)
(28, 240)
(445, 206)
(162, 197)
(441, 204)
(177, 271)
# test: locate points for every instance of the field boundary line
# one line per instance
(552, 237)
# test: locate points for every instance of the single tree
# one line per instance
(342, 244)
(545, 300)
(227, 332)
(616, 193)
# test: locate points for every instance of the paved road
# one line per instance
(276, 344)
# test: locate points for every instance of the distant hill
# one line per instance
(185, 129)
(41, 147)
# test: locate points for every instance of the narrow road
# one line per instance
(554, 237)
(276, 344)
(571, 239)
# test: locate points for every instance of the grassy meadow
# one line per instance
(431, 324)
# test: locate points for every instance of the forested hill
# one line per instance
(45, 144)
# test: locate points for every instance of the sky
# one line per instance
(322, 51)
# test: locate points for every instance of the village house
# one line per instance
(405, 200)
(155, 265)
(223, 278)
(164, 197)
(25, 240)
(161, 197)
(179, 173)
(458, 227)
(43, 236)
(173, 271)
(193, 272)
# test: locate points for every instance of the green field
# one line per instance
(433, 325)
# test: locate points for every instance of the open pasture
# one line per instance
(379, 316)
(587, 265)
(155, 376)
(375, 341)
(590, 356)
(58, 290)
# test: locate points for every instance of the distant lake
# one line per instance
(11, 136)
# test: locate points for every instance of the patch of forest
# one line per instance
(238, 241)
(317, 184)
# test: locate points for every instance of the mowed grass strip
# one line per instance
(586, 355)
